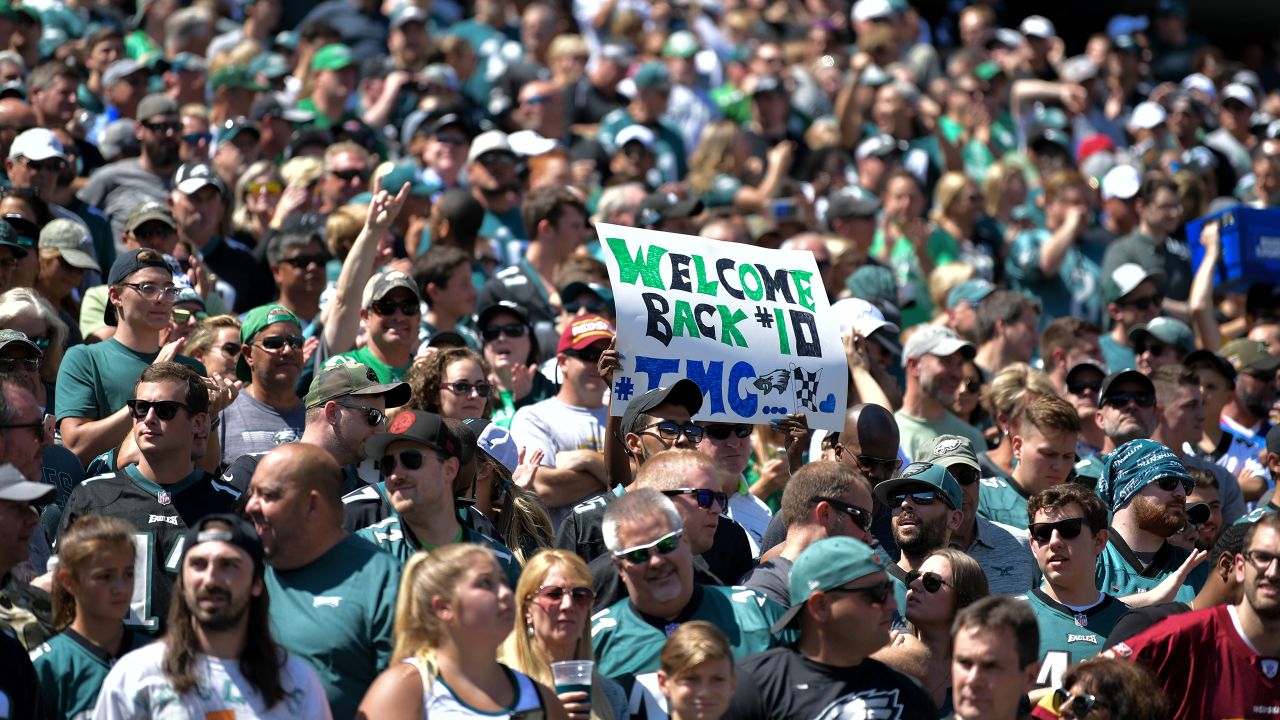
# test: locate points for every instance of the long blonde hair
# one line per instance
(715, 155)
(418, 631)
(521, 650)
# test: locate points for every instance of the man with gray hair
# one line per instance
(297, 257)
(645, 537)
(1008, 329)
(188, 30)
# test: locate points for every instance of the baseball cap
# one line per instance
(660, 206)
(574, 288)
(272, 65)
(1126, 375)
(1124, 279)
(1147, 115)
(502, 306)
(1084, 366)
(406, 15)
(683, 392)
(1038, 26)
(382, 283)
(15, 487)
(1249, 356)
(190, 62)
(9, 238)
(852, 201)
(132, 261)
(120, 70)
(1240, 93)
(768, 84)
(148, 211)
(868, 10)
(1122, 182)
(193, 177)
(584, 332)
(334, 56)
(401, 175)
(879, 145)
(653, 75)
(254, 321)
(236, 125)
(69, 238)
(227, 528)
(10, 337)
(680, 44)
(1078, 69)
(495, 441)
(425, 428)
(272, 105)
(867, 320)
(155, 105)
(530, 144)
(874, 283)
(490, 141)
(1166, 330)
(936, 340)
(923, 473)
(972, 291)
(347, 377)
(635, 133)
(1213, 360)
(1007, 38)
(37, 144)
(825, 565)
(950, 450)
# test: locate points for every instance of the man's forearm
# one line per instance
(90, 438)
(558, 487)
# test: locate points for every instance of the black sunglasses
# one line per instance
(591, 356)
(411, 459)
(1146, 303)
(1075, 707)
(931, 581)
(592, 306)
(705, 498)
(374, 416)
(514, 330)
(722, 431)
(1080, 388)
(640, 554)
(670, 431)
(165, 409)
(231, 350)
(1169, 484)
(277, 342)
(873, 463)
(388, 308)
(1122, 399)
(919, 497)
(1154, 348)
(1068, 529)
(39, 427)
(28, 364)
(860, 517)
(162, 127)
(302, 261)
(876, 594)
(963, 474)
(464, 388)
(347, 175)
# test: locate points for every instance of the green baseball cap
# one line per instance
(9, 238)
(653, 75)
(254, 321)
(1167, 330)
(680, 44)
(971, 291)
(873, 283)
(235, 77)
(332, 57)
(348, 377)
(825, 565)
(923, 473)
(402, 175)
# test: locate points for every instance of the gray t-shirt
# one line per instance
(918, 434)
(118, 188)
(1004, 553)
(554, 426)
(773, 578)
(250, 426)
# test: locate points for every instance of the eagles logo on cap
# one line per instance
(401, 424)
(914, 469)
(946, 446)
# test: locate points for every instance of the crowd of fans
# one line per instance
(307, 344)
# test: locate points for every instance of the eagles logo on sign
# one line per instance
(370, 375)
(914, 469)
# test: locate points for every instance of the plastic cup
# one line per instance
(573, 676)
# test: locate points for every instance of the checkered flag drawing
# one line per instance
(806, 388)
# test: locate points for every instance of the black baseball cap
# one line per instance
(683, 392)
(425, 428)
(128, 264)
(1124, 375)
(1213, 360)
(237, 531)
(502, 306)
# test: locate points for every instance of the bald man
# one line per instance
(318, 576)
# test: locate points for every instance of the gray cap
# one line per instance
(155, 105)
(683, 392)
(15, 487)
(382, 283)
(119, 138)
(936, 340)
(70, 239)
(852, 201)
(120, 70)
(950, 450)
(9, 337)
(1166, 330)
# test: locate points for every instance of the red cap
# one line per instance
(1094, 144)
(584, 332)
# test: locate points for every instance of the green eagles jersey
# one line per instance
(386, 373)
(71, 670)
(670, 157)
(396, 538)
(627, 644)
(1076, 289)
(1003, 501)
(1067, 636)
(1119, 572)
(350, 592)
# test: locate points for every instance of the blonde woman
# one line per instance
(257, 195)
(553, 612)
(957, 208)
(721, 169)
(1004, 399)
(453, 612)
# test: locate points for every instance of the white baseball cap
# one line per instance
(37, 144)
(867, 10)
(1122, 182)
(1038, 26)
(1240, 92)
(1147, 115)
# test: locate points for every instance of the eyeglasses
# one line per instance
(931, 581)
(270, 187)
(1080, 389)
(465, 389)
(860, 516)
(152, 291)
(722, 431)
(640, 554)
(1145, 303)
(592, 306)
(182, 317)
(151, 232)
(411, 459)
(162, 126)
(1075, 707)
(302, 262)
(535, 100)
(373, 416)
(919, 497)
(1122, 399)
(963, 474)
(349, 175)
(1154, 348)
(876, 594)
(513, 330)
(12, 364)
(582, 596)
(670, 431)
(42, 427)
(197, 138)
(50, 165)
(231, 350)
(275, 343)
(165, 409)
(387, 308)
(705, 498)
(1260, 560)
(1068, 529)
(1169, 484)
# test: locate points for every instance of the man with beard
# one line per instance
(267, 412)
(319, 576)
(491, 175)
(219, 637)
(926, 503)
(1126, 411)
(198, 201)
(1044, 449)
(1146, 488)
(1255, 391)
(1222, 661)
(118, 188)
(934, 358)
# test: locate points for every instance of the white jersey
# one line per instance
(439, 702)
(137, 688)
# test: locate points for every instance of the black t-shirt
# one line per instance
(781, 684)
(19, 688)
(1141, 618)
(588, 104)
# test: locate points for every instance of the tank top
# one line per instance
(439, 702)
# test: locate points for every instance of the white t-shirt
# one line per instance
(137, 688)
(554, 426)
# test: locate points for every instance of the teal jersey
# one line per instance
(627, 644)
(71, 670)
(1090, 467)
(395, 537)
(96, 380)
(1068, 636)
(1119, 572)
(1003, 501)
(349, 593)
(1074, 291)
(669, 156)
(1117, 356)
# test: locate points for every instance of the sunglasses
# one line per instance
(1146, 303)
(197, 138)
(373, 416)
(873, 463)
(387, 308)
(1074, 707)
(670, 431)
(705, 498)
(919, 497)
(1154, 348)
(162, 127)
(514, 330)
(165, 409)
(272, 188)
(1080, 389)
(500, 159)
(640, 554)
(963, 474)
(464, 388)
(451, 139)
(302, 262)
(1122, 399)
(931, 581)
(1068, 529)
(723, 431)
(592, 306)
(876, 594)
(1169, 484)
(973, 387)
(861, 517)
(151, 232)
(51, 165)
(591, 356)
(12, 364)
(231, 350)
(410, 459)
(42, 427)
(277, 342)
(182, 317)
(582, 596)
(348, 175)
